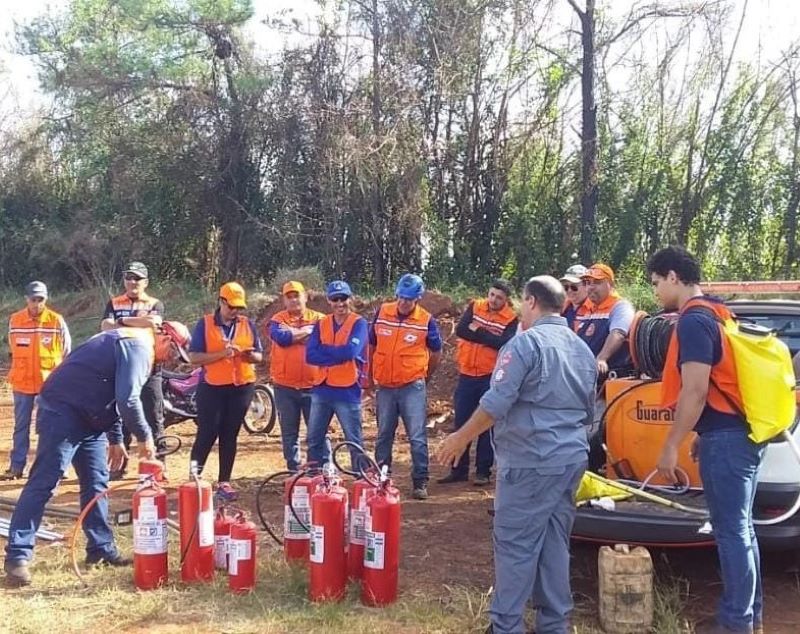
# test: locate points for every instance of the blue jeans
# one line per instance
(349, 416)
(466, 399)
(23, 409)
(291, 403)
(63, 439)
(410, 403)
(729, 464)
(534, 513)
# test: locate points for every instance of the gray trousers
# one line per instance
(534, 512)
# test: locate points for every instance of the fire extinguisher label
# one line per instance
(149, 536)
(292, 529)
(239, 549)
(316, 551)
(221, 543)
(375, 550)
(205, 528)
(357, 527)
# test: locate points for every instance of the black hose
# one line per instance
(361, 473)
(651, 341)
(260, 511)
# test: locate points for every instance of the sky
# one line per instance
(771, 25)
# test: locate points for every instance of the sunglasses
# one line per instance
(338, 298)
(229, 307)
(571, 287)
(131, 277)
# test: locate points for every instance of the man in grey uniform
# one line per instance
(540, 401)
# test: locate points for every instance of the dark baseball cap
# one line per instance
(36, 289)
(137, 268)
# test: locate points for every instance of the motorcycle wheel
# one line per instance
(261, 416)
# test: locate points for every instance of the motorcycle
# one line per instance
(180, 402)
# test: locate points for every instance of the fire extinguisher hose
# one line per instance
(261, 489)
(79, 524)
(366, 462)
(196, 478)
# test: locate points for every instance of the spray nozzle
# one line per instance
(328, 471)
(194, 469)
(384, 474)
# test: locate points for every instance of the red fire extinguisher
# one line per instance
(196, 515)
(327, 556)
(382, 548)
(358, 510)
(154, 468)
(150, 567)
(295, 535)
(222, 538)
(242, 556)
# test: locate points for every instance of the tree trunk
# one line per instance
(589, 167)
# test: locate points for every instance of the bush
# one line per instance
(309, 276)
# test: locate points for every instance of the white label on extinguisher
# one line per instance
(357, 524)
(147, 510)
(240, 550)
(149, 536)
(375, 550)
(205, 528)
(292, 529)
(221, 546)
(316, 549)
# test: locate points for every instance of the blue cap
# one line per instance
(338, 287)
(36, 289)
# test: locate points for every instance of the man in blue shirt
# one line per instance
(338, 346)
(78, 422)
(540, 402)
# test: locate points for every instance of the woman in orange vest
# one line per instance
(292, 377)
(227, 345)
(38, 340)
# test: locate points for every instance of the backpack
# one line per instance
(765, 375)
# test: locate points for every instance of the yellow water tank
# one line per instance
(626, 589)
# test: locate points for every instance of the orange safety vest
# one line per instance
(723, 385)
(401, 352)
(233, 370)
(37, 347)
(124, 306)
(344, 374)
(287, 364)
(476, 359)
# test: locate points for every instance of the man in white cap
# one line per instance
(578, 302)
(38, 340)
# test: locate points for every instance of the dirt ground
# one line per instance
(446, 540)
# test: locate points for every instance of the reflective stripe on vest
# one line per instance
(124, 306)
(594, 328)
(36, 349)
(723, 374)
(287, 364)
(233, 370)
(344, 374)
(401, 351)
(476, 359)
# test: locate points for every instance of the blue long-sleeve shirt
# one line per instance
(279, 335)
(324, 355)
(101, 381)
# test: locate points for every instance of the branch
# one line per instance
(577, 9)
(652, 12)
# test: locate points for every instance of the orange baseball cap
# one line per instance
(233, 293)
(293, 287)
(600, 272)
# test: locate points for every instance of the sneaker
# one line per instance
(481, 480)
(11, 474)
(420, 492)
(451, 477)
(115, 560)
(17, 573)
(226, 493)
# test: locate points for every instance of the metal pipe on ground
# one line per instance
(10, 504)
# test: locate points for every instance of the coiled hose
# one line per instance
(649, 341)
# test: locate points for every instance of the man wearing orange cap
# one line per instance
(606, 326)
(291, 375)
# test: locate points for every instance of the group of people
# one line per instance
(527, 392)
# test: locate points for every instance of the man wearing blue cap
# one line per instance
(337, 345)
(38, 341)
(405, 350)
